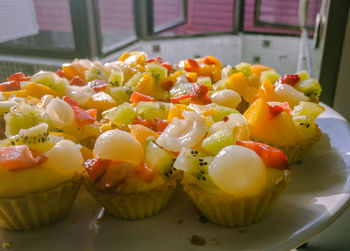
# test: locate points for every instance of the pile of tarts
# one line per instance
(132, 129)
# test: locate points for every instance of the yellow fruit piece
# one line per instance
(266, 91)
(100, 101)
(176, 111)
(144, 86)
(254, 80)
(34, 90)
(279, 130)
(32, 100)
(124, 56)
(250, 94)
(65, 136)
(71, 70)
(259, 68)
(215, 73)
(237, 82)
(141, 133)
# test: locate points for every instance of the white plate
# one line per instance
(317, 195)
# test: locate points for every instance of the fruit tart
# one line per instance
(36, 187)
(131, 180)
(239, 185)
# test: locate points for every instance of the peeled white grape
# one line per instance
(60, 113)
(65, 156)
(118, 145)
(187, 132)
(234, 119)
(227, 97)
(284, 92)
(239, 171)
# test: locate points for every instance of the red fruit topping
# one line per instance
(98, 85)
(199, 93)
(137, 97)
(81, 116)
(92, 113)
(160, 124)
(96, 168)
(271, 156)
(168, 66)
(275, 110)
(156, 59)
(289, 79)
(207, 60)
(70, 101)
(167, 85)
(147, 123)
(177, 100)
(19, 76)
(19, 157)
(10, 86)
(192, 66)
(78, 81)
(145, 173)
(60, 73)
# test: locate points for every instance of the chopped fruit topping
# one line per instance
(192, 65)
(160, 125)
(10, 86)
(19, 157)
(199, 93)
(70, 101)
(143, 172)
(19, 76)
(96, 168)
(275, 110)
(271, 156)
(141, 133)
(156, 59)
(78, 81)
(289, 79)
(81, 116)
(168, 66)
(137, 97)
(177, 100)
(146, 123)
(92, 113)
(98, 85)
(60, 73)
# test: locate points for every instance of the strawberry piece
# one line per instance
(147, 123)
(207, 60)
(78, 81)
(155, 59)
(96, 168)
(160, 124)
(176, 100)
(92, 113)
(289, 79)
(192, 65)
(199, 93)
(137, 97)
(10, 86)
(19, 157)
(98, 85)
(81, 116)
(19, 76)
(275, 110)
(60, 73)
(271, 156)
(168, 66)
(70, 101)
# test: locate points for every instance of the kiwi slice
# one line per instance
(116, 78)
(195, 164)
(215, 142)
(36, 138)
(158, 72)
(121, 94)
(245, 68)
(5, 106)
(311, 88)
(152, 110)
(159, 159)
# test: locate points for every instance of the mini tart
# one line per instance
(38, 209)
(134, 206)
(229, 211)
(279, 131)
